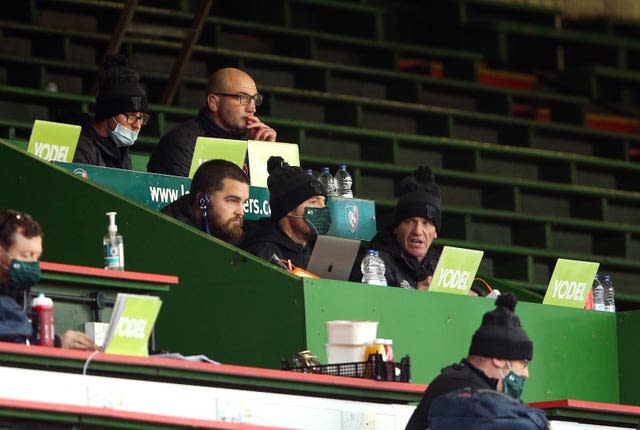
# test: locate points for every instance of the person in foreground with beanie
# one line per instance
(121, 111)
(298, 215)
(498, 359)
(405, 245)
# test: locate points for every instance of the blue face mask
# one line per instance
(122, 135)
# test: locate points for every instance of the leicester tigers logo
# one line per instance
(351, 212)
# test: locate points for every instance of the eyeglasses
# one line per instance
(243, 98)
(131, 118)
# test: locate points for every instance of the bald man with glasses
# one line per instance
(229, 113)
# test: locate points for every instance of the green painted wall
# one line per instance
(229, 305)
(575, 351)
(629, 356)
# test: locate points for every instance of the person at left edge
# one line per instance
(20, 251)
(121, 112)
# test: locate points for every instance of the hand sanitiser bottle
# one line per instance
(113, 246)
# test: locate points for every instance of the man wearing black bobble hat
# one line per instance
(405, 245)
(121, 111)
(498, 359)
(298, 215)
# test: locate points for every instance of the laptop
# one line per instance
(456, 270)
(333, 257)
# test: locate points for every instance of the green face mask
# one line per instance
(23, 274)
(512, 384)
(318, 219)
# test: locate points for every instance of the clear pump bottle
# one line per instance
(113, 245)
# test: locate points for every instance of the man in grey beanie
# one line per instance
(121, 111)
(498, 359)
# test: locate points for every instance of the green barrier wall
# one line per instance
(230, 306)
(629, 356)
(575, 351)
(240, 310)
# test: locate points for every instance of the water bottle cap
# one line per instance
(607, 277)
(325, 170)
(343, 167)
(372, 251)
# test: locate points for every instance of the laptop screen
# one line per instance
(333, 257)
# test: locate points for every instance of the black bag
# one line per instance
(14, 324)
(483, 410)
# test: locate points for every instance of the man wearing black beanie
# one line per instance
(498, 359)
(294, 197)
(405, 245)
(121, 111)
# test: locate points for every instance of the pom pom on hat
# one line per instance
(420, 197)
(289, 186)
(119, 89)
(501, 335)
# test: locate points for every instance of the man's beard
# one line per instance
(229, 231)
(303, 230)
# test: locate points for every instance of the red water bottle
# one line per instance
(43, 307)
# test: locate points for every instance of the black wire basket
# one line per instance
(374, 368)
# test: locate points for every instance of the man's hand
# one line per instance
(424, 284)
(260, 131)
(76, 340)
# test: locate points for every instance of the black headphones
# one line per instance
(204, 201)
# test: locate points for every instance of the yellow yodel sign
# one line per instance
(54, 141)
(570, 283)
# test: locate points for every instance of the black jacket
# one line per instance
(174, 152)
(100, 151)
(461, 375)
(401, 269)
(264, 239)
(182, 211)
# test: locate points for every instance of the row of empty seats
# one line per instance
(525, 187)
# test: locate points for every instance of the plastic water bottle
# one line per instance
(328, 181)
(113, 245)
(43, 307)
(372, 268)
(598, 294)
(609, 294)
(345, 182)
